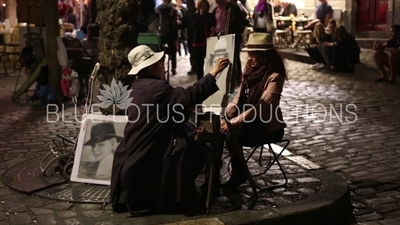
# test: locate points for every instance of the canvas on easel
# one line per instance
(219, 47)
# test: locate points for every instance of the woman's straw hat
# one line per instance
(259, 42)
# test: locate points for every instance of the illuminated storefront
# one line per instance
(356, 14)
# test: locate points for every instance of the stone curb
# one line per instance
(331, 206)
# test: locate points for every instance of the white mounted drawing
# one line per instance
(219, 47)
(98, 139)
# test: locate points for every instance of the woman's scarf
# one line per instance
(255, 79)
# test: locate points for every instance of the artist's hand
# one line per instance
(224, 127)
(219, 66)
(313, 46)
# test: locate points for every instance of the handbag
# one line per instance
(270, 26)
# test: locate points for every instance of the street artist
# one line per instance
(155, 167)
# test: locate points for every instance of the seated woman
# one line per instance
(323, 14)
(154, 166)
(332, 27)
(255, 114)
(388, 54)
(317, 50)
(346, 51)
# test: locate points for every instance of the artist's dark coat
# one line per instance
(145, 170)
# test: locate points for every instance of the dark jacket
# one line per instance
(202, 27)
(146, 172)
(290, 9)
(323, 38)
(277, 9)
(186, 18)
(146, 22)
(168, 20)
(185, 22)
(237, 20)
(73, 20)
(346, 50)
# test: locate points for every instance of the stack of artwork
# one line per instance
(98, 139)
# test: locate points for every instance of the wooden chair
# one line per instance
(68, 27)
(305, 37)
(282, 38)
(338, 16)
(9, 47)
(75, 50)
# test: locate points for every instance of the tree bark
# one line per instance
(11, 11)
(117, 22)
(52, 32)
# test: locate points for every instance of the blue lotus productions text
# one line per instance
(316, 113)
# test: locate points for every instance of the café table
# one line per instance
(302, 21)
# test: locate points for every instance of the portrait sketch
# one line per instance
(222, 47)
(98, 139)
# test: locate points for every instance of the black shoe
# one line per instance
(191, 72)
(142, 213)
(391, 82)
(379, 79)
(234, 183)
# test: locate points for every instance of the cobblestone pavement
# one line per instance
(344, 123)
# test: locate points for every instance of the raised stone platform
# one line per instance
(364, 69)
(366, 56)
(312, 196)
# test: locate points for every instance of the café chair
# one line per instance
(74, 47)
(282, 39)
(273, 158)
(8, 48)
(305, 37)
(68, 27)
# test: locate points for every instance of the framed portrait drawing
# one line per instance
(98, 139)
(219, 47)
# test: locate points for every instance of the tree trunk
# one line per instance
(11, 11)
(117, 21)
(52, 32)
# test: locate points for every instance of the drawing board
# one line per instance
(219, 47)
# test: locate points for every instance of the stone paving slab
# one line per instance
(364, 152)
